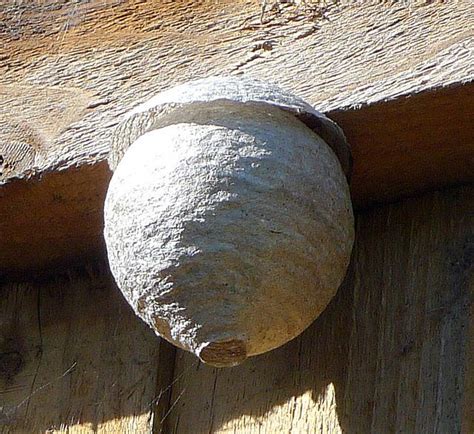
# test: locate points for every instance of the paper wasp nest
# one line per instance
(228, 219)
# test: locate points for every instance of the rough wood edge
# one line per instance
(430, 164)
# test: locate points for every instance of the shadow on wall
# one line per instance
(387, 354)
(295, 388)
(72, 353)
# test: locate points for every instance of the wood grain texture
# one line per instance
(468, 398)
(389, 353)
(410, 145)
(66, 81)
(74, 358)
(52, 222)
(105, 57)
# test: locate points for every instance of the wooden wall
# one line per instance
(388, 355)
(391, 353)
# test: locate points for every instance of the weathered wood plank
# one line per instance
(389, 353)
(53, 222)
(66, 80)
(352, 55)
(410, 145)
(74, 358)
(468, 398)
(411, 314)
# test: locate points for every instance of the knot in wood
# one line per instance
(19, 145)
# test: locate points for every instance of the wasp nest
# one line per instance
(228, 219)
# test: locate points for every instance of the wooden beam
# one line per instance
(52, 221)
(400, 148)
(410, 145)
(398, 80)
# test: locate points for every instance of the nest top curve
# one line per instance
(164, 109)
